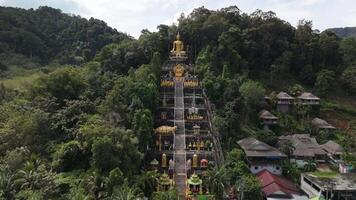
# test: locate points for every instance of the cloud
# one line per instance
(132, 16)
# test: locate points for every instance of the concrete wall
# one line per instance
(308, 188)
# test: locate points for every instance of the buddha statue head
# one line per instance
(178, 37)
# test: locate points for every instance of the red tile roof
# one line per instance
(271, 184)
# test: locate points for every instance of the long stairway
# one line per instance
(180, 176)
(195, 143)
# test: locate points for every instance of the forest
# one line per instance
(77, 98)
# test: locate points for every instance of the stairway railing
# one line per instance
(219, 156)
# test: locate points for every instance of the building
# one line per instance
(307, 98)
(334, 187)
(333, 150)
(304, 148)
(276, 187)
(284, 102)
(321, 124)
(261, 156)
(268, 118)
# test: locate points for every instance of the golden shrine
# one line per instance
(164, 183)
(194, 184)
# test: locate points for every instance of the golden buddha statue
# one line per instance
(178, 47)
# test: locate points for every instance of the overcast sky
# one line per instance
(131, 16)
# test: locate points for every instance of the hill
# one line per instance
(344, 32)
(46, 35)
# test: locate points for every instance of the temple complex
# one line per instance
(186, 142)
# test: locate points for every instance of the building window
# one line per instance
(256, 167)
(277, 168)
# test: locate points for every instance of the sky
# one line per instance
(131, 16)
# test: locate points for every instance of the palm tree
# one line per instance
(147, 182)
(216, 181)
(95, 184)
(125, 192)
(167, 195)
(288, 148)
(7, 185)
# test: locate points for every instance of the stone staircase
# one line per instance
(180, 175)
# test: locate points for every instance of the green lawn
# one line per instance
(325, 174)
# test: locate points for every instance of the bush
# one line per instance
(68, 156)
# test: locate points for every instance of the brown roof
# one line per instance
(333, 148)
(256, 148)
(308, 95)
(320, 123)
(303, 144)
(264, 114)
(284, 95)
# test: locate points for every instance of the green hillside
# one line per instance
(77, 98)
(345, 32)
(46, 34)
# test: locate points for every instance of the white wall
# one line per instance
(275, 169)
(307, 188)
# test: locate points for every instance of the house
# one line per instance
(307, 98)
(333, 150)
(276, 187)
(334, 187)
(304, 148)
(321, 124)
(267, 118)
(261, 156)
(284, 102)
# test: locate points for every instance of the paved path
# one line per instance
(180, 175)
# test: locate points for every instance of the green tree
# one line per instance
(349, 78)
(324, 82)
(64, 83)
(348, 51)
(251, 187)
(104, 157)
(69, 156)
(156, 64)
(253, 94)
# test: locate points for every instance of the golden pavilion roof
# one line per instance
(165, 129)
(195, 180)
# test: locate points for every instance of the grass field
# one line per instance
(20, 82)
(325, 174)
